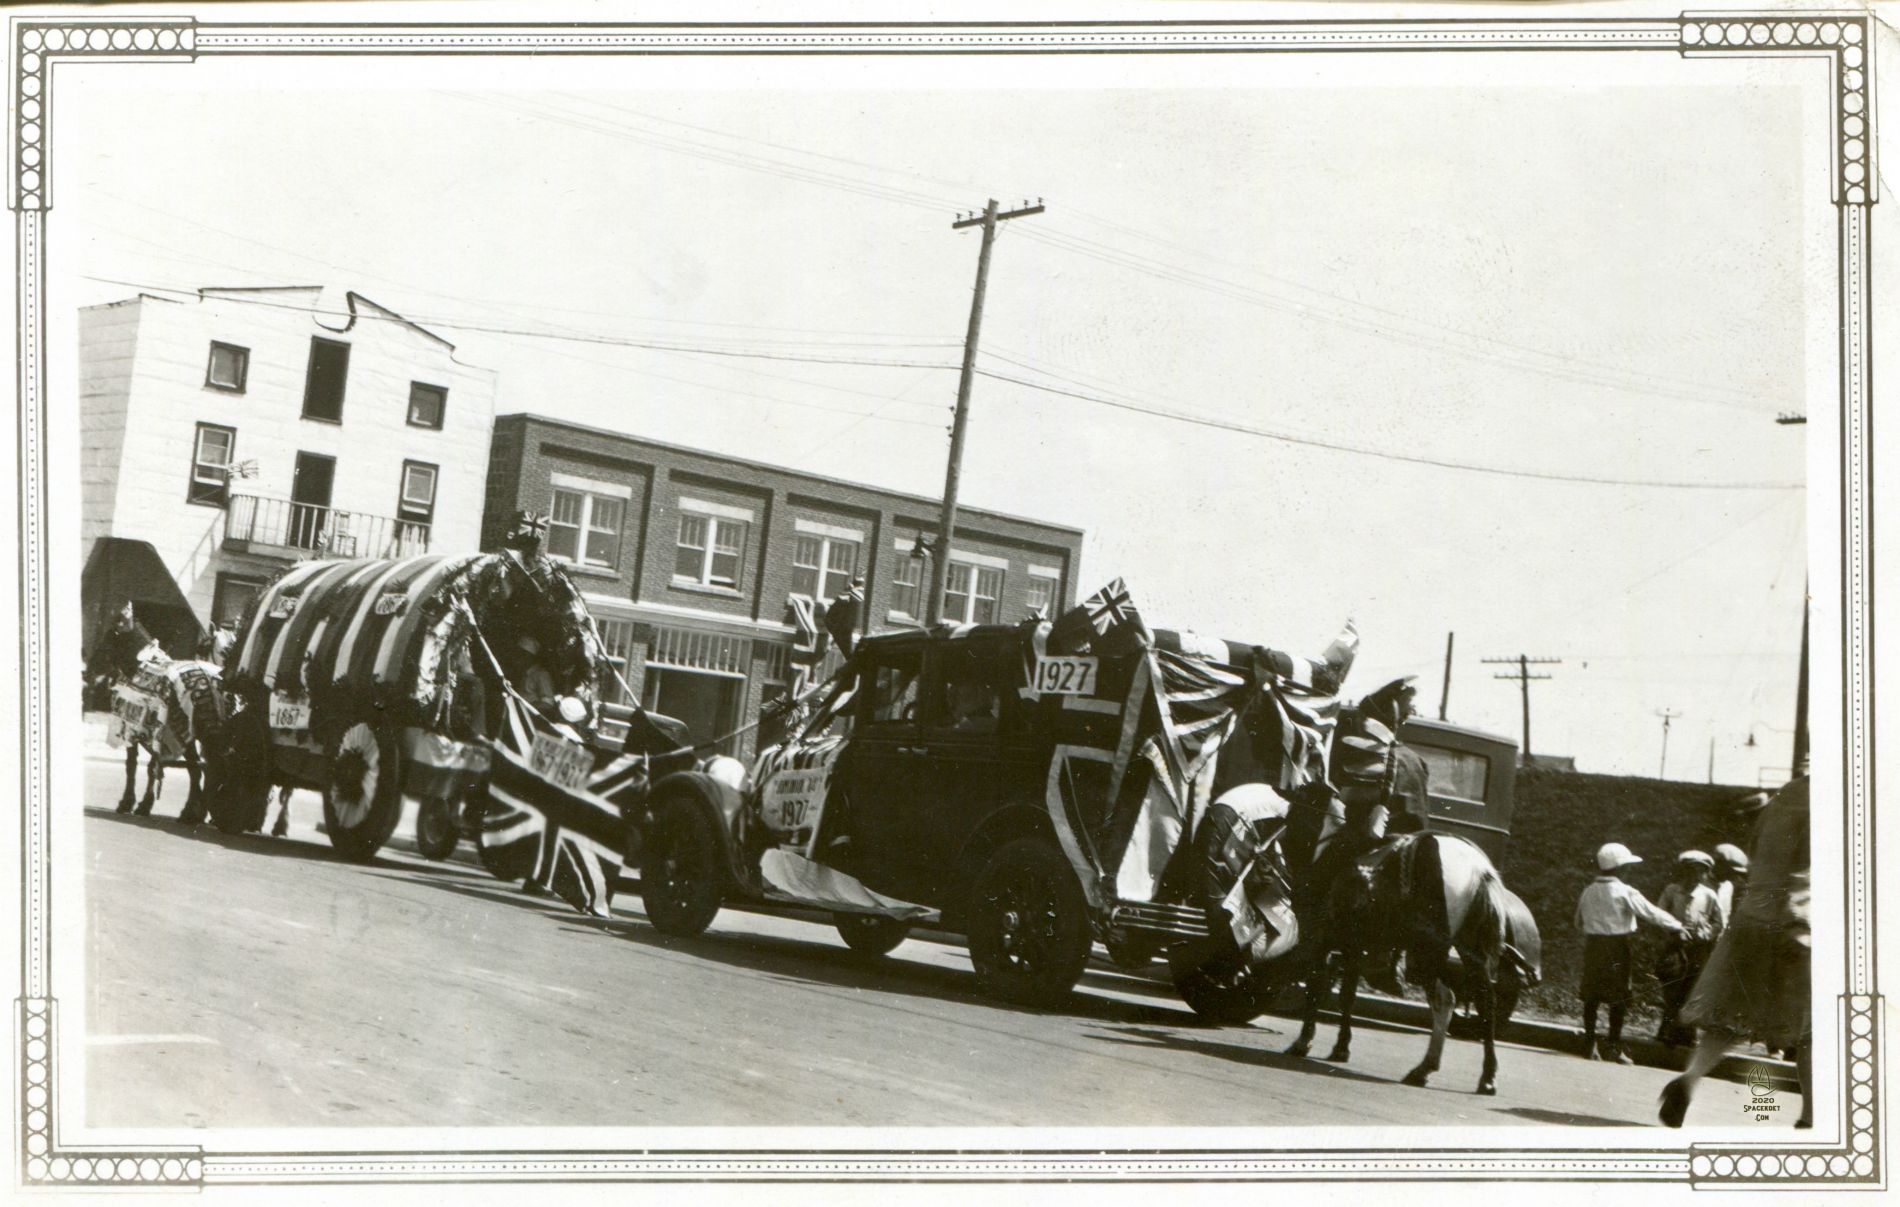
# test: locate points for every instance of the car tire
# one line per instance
(1214, 977)
(869, 934)
(238, 773)
(682, 881)
(1028, 924)
(363, 801)
(1226, 992)
(437, 834)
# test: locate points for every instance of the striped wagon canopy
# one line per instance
(359, 622)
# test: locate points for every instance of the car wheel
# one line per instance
(681, 880)
(1028, 924)
(363, 801)
(869, 934)
(237, 773)
(1224, 991)
(437, 833)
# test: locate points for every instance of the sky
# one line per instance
(1492, 345)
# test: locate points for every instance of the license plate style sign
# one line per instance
(287, 712)
(792, 799)
(1066, 676)
(560, 762)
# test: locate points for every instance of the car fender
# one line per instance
(720, 802)
(1005, 825)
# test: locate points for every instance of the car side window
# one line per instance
(967, 695)
(895, 686)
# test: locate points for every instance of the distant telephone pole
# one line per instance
(1667, 715)
(1523, 676)
(1444, 696)
(940, 565)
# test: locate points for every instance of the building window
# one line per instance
(232, 598)
(426, 404)
(229, 366)
(709, 551)
(323, 384)
(970, 595)
(417, 502)
(584, 528)
(1042, 595)
(906, 584)
(823, 566)
(211, 465)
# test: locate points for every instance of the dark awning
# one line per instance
(119, 569)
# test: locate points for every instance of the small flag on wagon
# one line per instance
(540, 803)
(1104, 623)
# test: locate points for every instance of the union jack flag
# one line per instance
(1107, 622)
(574, 835)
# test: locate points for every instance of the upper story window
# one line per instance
(907, 576)
(323, 384)
(426, 405)
(584, 527)
(228, 368)
(710, 548)
(211, 465)
(417, 502)
(823, 564)
(970, 593)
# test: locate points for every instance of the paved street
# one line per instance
(257, 982)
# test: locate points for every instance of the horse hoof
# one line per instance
(125, 806)
(1300, 1048)
(1488, 1089)
(1339, 1056)
(1416, 1079)
(144, 809)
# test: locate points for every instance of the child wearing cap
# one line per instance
(1691, 900)
(1608, 914)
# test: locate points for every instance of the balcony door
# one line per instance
(310, 500)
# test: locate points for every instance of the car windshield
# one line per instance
(967, 695)
(893, 682)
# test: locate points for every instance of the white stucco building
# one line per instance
(226, 435)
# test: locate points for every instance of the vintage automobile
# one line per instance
(1472, 785)
(370, 679)
(1030, 801)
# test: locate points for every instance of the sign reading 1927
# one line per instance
(1065, 676)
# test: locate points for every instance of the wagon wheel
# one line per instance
(438, 827)
(363, 801)
(238, 772)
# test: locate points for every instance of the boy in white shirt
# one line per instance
(1607, 914)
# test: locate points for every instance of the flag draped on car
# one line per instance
(575, 836)
(1105, 623)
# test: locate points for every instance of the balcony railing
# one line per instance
(256, 524)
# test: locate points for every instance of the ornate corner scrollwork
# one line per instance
(37, 46)
(1845, 40)
(1856, 1160)
(42, 1161)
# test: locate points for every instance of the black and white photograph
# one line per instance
(1131, 593)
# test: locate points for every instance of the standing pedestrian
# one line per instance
(1758, 983)
(1731, 873)
(1690, 899)
(1607, 915)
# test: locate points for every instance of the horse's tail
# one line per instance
(1486, 929)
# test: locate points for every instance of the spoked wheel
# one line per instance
(237, 772)
(681, 880)
(1029, 927)
(437, 828)
(869, 934)
(363, 802)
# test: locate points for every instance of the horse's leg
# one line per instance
(194, 810)
(283, 813)
(1442, 999)
(154, 782)
(1487, 996)
(1348, 994)
(127, 799)
(1318, 979)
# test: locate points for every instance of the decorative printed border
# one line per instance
(1842, 41)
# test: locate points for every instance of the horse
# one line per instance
(188, 691)
(1426, 895)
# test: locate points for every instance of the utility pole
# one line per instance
(1711, 758)
(940, 565)
(1444, 697)
(1523, 676)
(1667, 715)
(1799, 766)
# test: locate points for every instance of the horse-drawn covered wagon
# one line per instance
(375, 679)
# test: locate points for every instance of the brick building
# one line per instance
(688, 559)
(226, 435)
